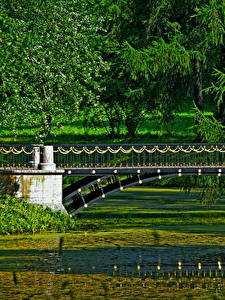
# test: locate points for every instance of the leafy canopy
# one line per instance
(48, 61)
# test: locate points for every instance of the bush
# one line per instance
(18, 216)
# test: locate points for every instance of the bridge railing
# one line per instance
(116, 155)
(17, 156)
(149, 155)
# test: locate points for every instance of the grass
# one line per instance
(135, 209)
(150, 132)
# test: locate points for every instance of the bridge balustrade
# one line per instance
(33, 169)
(126, 156)
(118, 155)
(16, 156)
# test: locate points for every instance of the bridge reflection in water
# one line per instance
(105, 169)
(144, 262)
(151, 270)
(96, 272)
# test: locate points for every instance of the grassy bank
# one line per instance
(155, 209)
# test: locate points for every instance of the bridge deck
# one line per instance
(140, 170)
(199, 170)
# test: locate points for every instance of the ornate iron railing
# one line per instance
(149, 155)
(118, 155)
(19, 156)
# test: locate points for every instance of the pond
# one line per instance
(122, 261)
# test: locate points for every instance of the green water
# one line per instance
(146, 243)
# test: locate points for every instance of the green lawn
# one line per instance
(182, 129)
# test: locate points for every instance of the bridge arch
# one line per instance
(90, 189)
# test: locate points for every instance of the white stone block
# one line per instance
(43, 190)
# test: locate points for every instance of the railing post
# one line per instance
(35, 157)
(46, 158)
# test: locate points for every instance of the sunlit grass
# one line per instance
(150, 132)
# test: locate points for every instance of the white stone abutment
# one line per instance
(42, 184)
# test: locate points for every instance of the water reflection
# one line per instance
(124, 261)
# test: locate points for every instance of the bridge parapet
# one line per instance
(27, 156)
(18, 156)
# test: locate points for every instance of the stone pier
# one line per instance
(42, 185)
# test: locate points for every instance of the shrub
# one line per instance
(18, 216)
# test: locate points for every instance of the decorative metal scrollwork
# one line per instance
(168, 148)
(14, 150)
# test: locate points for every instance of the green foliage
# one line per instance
(211, 16)
(17, 216)
(218, 88)
(211, 188)
(48, 62)
(182, 43)
(210, 129)
(111, 63)
(161, 56)
(155, 55)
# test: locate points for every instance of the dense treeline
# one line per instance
(112, 63)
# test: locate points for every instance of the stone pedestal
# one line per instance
(46, 158)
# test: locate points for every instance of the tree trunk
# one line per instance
(131, 125)
(197, 90)
(198, 97)
(46, 125)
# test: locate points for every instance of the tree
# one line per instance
(183, 41)
(211, 187)
(123, 101)
(48, 65)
